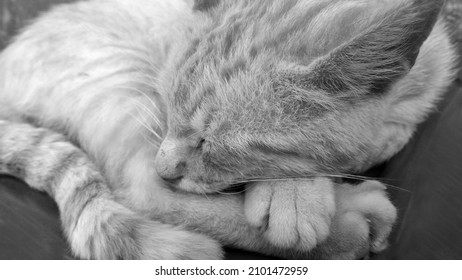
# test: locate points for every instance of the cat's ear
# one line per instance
(204, 5)
(375, 59)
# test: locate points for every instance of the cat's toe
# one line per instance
(257, 205)
(282, 230)
(316, 207)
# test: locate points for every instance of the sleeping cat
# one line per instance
(136, 115)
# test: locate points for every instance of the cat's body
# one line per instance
(99, 73)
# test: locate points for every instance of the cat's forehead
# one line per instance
(259, 35)
(290, 27)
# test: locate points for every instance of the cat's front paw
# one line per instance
(362, 224)
(118, 233)
(292, 214)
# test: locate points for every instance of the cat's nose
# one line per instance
(170, 161)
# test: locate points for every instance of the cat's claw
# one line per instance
(292, 214)
(362, 224)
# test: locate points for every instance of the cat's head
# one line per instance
(277, 89)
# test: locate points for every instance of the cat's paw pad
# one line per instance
(363, 221)
(292, 214)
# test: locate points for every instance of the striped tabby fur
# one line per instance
(88, 91)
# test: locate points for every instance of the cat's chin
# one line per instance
(191, 186)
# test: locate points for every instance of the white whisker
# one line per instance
(269, 179)
(145, 126)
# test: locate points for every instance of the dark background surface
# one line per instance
(425, 180)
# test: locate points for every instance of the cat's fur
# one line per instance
(231, 91)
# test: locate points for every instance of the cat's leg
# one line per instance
(95, 224)
(359, 210)
(219, 216)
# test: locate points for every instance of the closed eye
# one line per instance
(266, 149)
(236, 188)
(200, 143)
